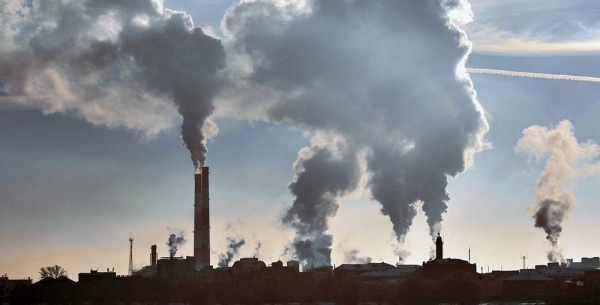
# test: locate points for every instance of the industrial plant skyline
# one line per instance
(326, 141)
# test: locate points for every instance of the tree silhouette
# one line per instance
(54, 272)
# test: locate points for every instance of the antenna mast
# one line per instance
(524, 258)
(130, 255)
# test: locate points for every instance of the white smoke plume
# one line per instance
(535, 75)
(131, 64)
(567, 160)
(353, 256)
(384, 78)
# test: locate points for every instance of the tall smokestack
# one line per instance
(201, 220)
(197, 217)
(153, 256)
(439, 248)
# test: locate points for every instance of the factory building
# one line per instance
(247, 265)
(176, 267)
(586, 263)
(526, 284)
(441, 267)
(8, 285)
(96, 284)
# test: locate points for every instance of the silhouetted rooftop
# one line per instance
(527, 276)
(365, 267)
(390, 272)
(248, 264)
(561, 272)
(447, 261)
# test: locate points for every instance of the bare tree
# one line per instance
(54, 272)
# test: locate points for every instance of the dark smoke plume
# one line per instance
(385, 78)
(233, 248)
(175, 240)
(131, 64)
(567, 160)
(323, 175)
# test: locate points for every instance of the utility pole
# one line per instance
(130, 255)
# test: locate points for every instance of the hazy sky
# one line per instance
(71, 192)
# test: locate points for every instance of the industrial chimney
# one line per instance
(153, 256)
(201, 220)
(439, 248)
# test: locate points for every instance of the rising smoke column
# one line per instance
(257, 249)
(233, 248)
(131, 64)
(325, 172)
(566, 160)
(386, 78)
(175, 240)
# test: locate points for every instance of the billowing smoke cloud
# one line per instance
(386, 79)
(576, 78)
(131, 64)
(353, 256)
(325, 171)
(566, 160)
(175, 241)
(233, 248)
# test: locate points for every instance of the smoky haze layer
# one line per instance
(131, 64)
(385, 78)
(566, 161)
(175, 241)
(233, 248)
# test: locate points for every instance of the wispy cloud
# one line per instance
(535, 27)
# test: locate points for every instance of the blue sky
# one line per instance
(71, 192)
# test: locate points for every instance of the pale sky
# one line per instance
(71, 192)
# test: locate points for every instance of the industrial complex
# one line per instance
(192, 279)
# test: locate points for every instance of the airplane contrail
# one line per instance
(535, 75)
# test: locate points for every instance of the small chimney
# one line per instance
(439, 248)
(153, 256)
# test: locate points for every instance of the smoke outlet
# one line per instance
(153, 256)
